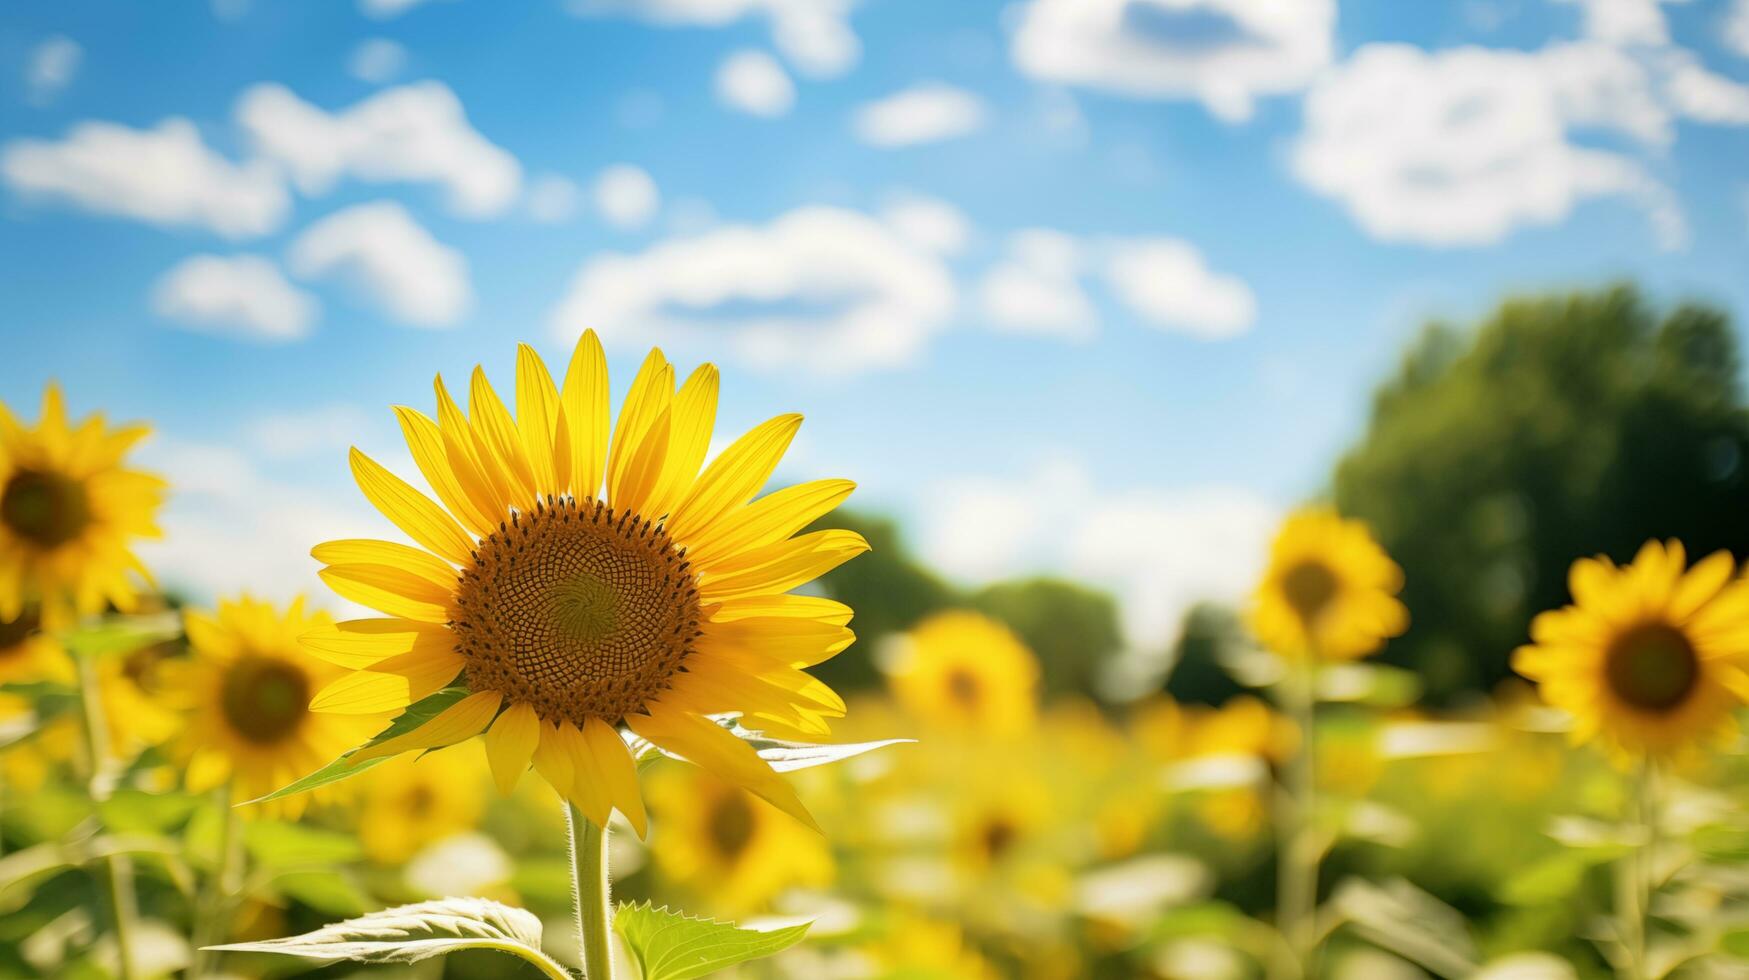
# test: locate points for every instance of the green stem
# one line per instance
(590, 890)
(213, 926)
(1635, 871)
(1296, 855)
(119, 875)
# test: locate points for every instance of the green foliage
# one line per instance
(1563, 427)
(673, 946)
(411, 933)
(1073, 629)
(1210, 633)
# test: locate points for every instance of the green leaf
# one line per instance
(121, 635)
(410, 933)
(279, 844)
(1552, 878)
(674, 946)
(416, 715)
(130, 810)
(328, 892)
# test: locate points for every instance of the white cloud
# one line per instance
(1624, 21)
(928, 223)
(387, 9)
(416, 133)
(376, 60)
(243, 295)
(1167, 282)
(552, 199)
(754, 83)
(1159, 551)
(380, 250)
(819, 288)
(925, 113)
(1463, 146)
(51, 67)
(1699, 94)
(1224, 53)
(162, 176)
(814, 35)
(1036, 288)
(307, 433)
(626, 196)
(219, 497)
(1736, 28)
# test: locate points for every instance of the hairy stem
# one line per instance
(590, 890)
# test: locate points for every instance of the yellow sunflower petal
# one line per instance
(389, 685)
(710, 747)
(411, 511)
(585, 401)
(510, 744)
(470, 461)
(771, 518)
(425, 442)
(553, 761)
(389, 590)
(361, 643)
(651, 395)
(782, 566)
(619, 771)
(694, 415)
(461, 720)
(363, 551)
(643, 470)
(734, 476)
(537, 417)
(588, 784)
(497, 430)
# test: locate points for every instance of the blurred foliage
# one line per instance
(1560, 427)
(1210, 632)
(1072, 628)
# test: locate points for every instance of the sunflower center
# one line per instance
(264, 698)
(43, 508)
(998, 836)
(1309, 587)
(731, 825)
(578, 610)
(13, 632)
(1652, 667)
(963, 688)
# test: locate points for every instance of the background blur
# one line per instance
(1084, 294)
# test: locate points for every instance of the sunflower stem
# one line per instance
(1636, 869)
(213, 927)
(591, 891)
(1296, 854)
(119, 871)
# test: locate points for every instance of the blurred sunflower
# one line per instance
(1330, 592)
(29, 654)
(656, 603)
(963, 670)
(1650, 658)
(407, 803)
(68, 514)
(729, 847)
(246, 687)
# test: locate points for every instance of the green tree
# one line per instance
(1209, 632)
(1073, 629)
(1561, 427)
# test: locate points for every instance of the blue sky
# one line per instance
(1090, 286)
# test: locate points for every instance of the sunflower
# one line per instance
(1330, 592)
(1650, 658)
(581, 579)
(246, 689)
(408, 803)
(29, 654)
(68, 514)
(732, 847)
(963, 670)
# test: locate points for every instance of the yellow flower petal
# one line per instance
(425, 442)
(708, 746)
(497, 431)
(649, 400)
(619, 772)
(363, 551)
(471, 462)
(411, 511)
(783, 566)
(733, 477)
(588, 789)
(510, 744)
(770, 519)
(391, 684)
(537, 418)
(585, 400)
(694, 415)
(361, 643)
(390, 590)
(461, 720)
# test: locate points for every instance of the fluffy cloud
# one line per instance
(626, 196)
(163, 176)
(1463, 146)
(376, 60)
(1702, 95)
(387, 9)
(754, 83)
(928, 223)
(1736, 28)
(552, 199)
(925, 113)
(1624, 21)
(1222, 52)
(1160, 552)
(220, 497)
(819, 288)
(416, 133)
(814, 35)
(300, 435)
(243, 294)
(1036, 288)
(51, 68)
(380, 250)
(1169, 285)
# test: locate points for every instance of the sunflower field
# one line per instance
(1273, 499)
